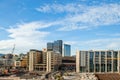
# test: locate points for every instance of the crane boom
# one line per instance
(13, 49)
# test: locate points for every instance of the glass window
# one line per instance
(91, 64)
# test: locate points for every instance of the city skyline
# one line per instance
(84, 24)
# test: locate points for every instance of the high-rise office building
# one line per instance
(58, 46)
(98, 61)
(49, 46)
(67, 50)
(55, 46)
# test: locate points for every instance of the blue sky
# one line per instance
(85, 24)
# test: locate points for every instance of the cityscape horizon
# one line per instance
(85, 25)
(59, 39)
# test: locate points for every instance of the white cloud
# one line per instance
(46, 8)
(58, 8)
(108, 34)
(94, 17)
(25, 36)
(84, 17)
(108, 43)
(27, 30)
(95, 44)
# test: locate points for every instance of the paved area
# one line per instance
(53, 76)
(80, 76)
(9, 78)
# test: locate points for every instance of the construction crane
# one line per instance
(13, 49)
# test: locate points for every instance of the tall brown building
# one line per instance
(34, 57)
(54, 60)
(43, 60)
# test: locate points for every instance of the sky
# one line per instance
(84, 24)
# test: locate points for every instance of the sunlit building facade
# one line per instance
(34, 57)
(45, 61)
(54, 60)
(98, 61)
(67, 50)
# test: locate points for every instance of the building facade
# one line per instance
(68, 63)
(55, 46)
(98, 61)
(45, 61)
(24, 62)
(17, 64)
(42, 65)
(67, 50)
(34, 57)
(49, 46)
(58, 46)
(54, 60)
(6, 63)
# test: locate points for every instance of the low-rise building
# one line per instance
(17, 64)
(6, 63)
(68, 63)
(24, 62)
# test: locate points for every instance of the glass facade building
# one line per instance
(67, 50)
(49, 46)
(98, 61)
(55, 46)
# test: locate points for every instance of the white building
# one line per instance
(98, 61)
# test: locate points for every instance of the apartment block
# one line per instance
(54, 60)
(34, 57)
(45, 61)
(98, 61)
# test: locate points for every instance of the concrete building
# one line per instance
(42, 65)
(17, 64)
(6, 63)
(20, 61)
(67, 50)
(54, 60)
(98, 61)
(24, 62)
(34, 57)
(68, 63)
(45, 61)
(8, 56)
